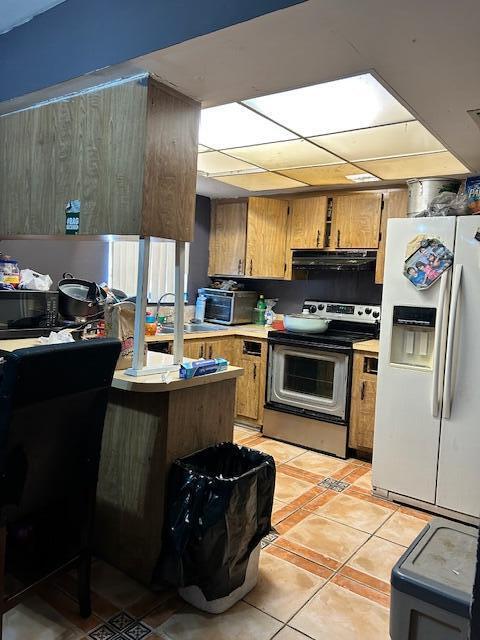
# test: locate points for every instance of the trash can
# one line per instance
(432, 584)
(218, 509)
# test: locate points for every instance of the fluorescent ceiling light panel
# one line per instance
(264, 181)
(418, 166)
(214, 162)
(285, 155)
(326, 175)
(391, 140)
(342, 105)
(363, 177)
(233, 125)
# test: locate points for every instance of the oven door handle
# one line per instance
(311, 345)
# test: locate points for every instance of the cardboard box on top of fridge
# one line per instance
(472, 190)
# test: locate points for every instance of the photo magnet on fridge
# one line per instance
(425, 265)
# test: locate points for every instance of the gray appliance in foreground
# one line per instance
(432, 584)
(229, 307)
(309, 377)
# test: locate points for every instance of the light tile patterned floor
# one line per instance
(324, 573)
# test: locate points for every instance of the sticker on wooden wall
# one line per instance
(72, 217)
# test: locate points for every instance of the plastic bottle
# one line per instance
(150, 324)
(200, 306)
(260, 310)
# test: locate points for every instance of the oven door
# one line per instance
(309, 380)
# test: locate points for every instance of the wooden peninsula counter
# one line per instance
(150, 422)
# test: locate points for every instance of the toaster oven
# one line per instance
(229, 307)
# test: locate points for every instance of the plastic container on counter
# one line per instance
(150, 325)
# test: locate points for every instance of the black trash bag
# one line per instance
(218, 509)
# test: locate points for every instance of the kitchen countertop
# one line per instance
(242, 330)
(146, 384)
(367, 345)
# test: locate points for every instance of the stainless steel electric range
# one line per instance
(309, 377)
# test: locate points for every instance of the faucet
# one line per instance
(160, 300)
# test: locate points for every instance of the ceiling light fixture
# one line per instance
(363, 177)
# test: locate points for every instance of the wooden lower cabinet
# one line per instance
(194, 349)
(364, 393)
(251, 355)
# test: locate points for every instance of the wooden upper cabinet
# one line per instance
(228, 238)
(266, 237)
(356, 221)
(395, 206)
(306, 223)
(126, 151)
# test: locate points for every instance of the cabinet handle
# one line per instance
(254, 371)
(210, 352)
(240, 266)
(362, 391)
(201, 351)
(318, 237)
(338, 238)
(251, 266)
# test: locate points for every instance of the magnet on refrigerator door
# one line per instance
(430, 259)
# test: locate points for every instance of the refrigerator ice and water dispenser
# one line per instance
(413, 336)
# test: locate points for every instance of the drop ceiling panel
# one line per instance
(329, 174)
(419, 166)
(264, 181)
(233, 125)
(342, 105)
(202, 149)
(214, 162)
(401, 139)
(285, 155)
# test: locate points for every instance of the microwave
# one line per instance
(229, 307)
(28, 314)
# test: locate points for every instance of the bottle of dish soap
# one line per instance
(200, 306)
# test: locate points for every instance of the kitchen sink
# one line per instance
(194, 328)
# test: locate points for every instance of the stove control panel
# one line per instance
(340, 311)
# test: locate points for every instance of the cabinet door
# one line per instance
(306, 223)
(362, 412)
(220, 348)
(266, 237)
(194, 349)
(394, 206)
(356, 221)
(228, 233)
(248, 387)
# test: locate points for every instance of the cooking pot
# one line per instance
(79, 299)
(305, 323)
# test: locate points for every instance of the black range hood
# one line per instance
(346, 260)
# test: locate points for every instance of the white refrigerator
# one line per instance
(427, 429)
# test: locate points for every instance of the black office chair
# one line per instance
(53, 401)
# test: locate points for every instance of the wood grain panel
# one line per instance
(362, 411)
(126, 151)
(144, 433)
(395, 206)
(251, 386)
(306, 223)
(170, 164)
(199, 417)
(194, 349)
(131, 486)
(266, 237)
(228, 237)
(356, 221)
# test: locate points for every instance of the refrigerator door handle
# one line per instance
(452, 321)
(437, 348)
